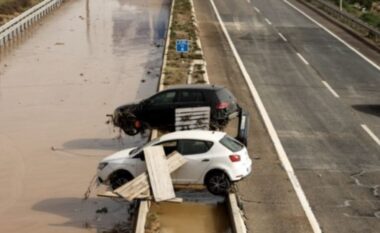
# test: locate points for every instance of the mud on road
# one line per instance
(56, 87)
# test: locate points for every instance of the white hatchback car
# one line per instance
(213, 158)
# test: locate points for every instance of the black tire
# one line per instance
(120, 178)
(217, 183)
(131, 131)
(128, 126)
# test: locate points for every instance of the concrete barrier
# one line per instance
(236, 217)
(16, 26)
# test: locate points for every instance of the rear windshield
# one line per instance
(231, 144)
(225, 95)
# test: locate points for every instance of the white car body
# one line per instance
(192, 145)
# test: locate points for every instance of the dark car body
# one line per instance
(158, 111)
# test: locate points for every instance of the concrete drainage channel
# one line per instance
(200, 211)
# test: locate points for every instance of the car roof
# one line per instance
(194, 134)
(195, 87)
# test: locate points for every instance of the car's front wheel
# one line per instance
(217, 183)
(120, 178)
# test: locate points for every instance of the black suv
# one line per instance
(158, 111)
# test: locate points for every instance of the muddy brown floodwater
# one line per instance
(56, 86)
(190, 217)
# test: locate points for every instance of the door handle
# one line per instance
(205, 160)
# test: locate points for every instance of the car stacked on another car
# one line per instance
(158, 111)
(213, 159)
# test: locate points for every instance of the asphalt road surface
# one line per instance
(323, 99)
(56, 86)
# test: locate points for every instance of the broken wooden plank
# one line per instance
(159, 175)
(111, 194)
(176, 200)
(140, 184)
(107, 194)
(141, 217)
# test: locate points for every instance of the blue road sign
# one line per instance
(182, 46)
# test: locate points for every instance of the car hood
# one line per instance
(124, 154)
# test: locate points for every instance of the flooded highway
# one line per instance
(56, 86)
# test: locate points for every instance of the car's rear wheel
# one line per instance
(120, 178)
(217, 183)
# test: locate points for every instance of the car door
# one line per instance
(198, 160)
(159, 109)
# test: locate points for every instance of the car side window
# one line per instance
(190, 96)
(163, 98)
(169, 146)
(191, 147)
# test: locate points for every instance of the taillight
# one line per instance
(222, 105)
(137, 124)
(235, 158)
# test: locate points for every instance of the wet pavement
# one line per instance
(56, 86)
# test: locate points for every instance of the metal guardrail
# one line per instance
(344, 17)
(16, 26)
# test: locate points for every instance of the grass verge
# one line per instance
(364, 10)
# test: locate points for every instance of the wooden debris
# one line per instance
(140, 184)
(176, 200)
(141, 218)
(159, 175)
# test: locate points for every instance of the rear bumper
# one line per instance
(243, 170)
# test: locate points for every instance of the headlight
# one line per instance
(102, 165)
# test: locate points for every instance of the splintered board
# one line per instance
(140, 184)
(159, 174)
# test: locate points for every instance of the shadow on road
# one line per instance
(113, 144)
(373, 109)
(102, 214)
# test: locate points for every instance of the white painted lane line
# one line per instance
(371, 134)
(268, 22)
(272, 132)
(330, 89)
(282, 37)
(334, 35)
(303, 59)
(257, 9)
(249, 1)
